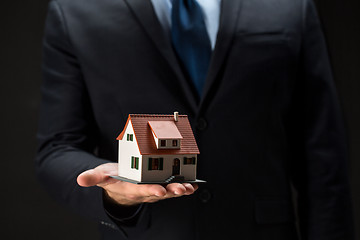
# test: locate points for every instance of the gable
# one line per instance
(121, 135)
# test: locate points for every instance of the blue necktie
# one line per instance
(190, 40)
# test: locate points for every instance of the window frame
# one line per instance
(134, 162)
(156, 164)
(189, 161)
(130, 137)
(163, 141)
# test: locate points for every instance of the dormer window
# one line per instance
(166, 134)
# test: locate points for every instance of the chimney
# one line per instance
(176, 116)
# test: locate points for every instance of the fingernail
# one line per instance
(176, 193)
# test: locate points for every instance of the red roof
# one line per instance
(145, 139)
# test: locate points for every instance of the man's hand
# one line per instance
(125, 193)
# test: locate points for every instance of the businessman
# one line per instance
(255, 80)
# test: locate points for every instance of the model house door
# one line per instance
(176, 167)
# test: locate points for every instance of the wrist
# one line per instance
(124, 214)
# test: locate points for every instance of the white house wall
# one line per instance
(188, 170)
(127, 149)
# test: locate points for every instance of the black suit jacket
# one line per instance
(269, 118)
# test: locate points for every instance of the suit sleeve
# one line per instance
(67, 130)
(318, 142)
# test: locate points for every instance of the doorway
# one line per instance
(176, 167)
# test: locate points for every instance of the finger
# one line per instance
(176, 188)
(109, 169)
(189, 189)
(152, 190)
(153, 199)
(98, 176)
(94, 177)
(89, 178)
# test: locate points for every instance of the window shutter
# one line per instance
(149, 163)
(161, 163)
(137, 163)
(132, 162)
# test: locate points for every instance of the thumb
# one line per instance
(91, 177)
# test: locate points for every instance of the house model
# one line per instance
(157, 149)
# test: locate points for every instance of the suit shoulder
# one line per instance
(87, 7)
(80, 5)
(69, 3)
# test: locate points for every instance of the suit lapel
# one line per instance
(230, 11)
(143, 11)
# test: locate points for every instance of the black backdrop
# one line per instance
(27, 211)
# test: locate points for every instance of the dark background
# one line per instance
(27, 211)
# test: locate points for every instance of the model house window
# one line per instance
(156, 163)
(135, 163)
(130, 137)
(175, 143)
(163, 143)
(188, 161)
